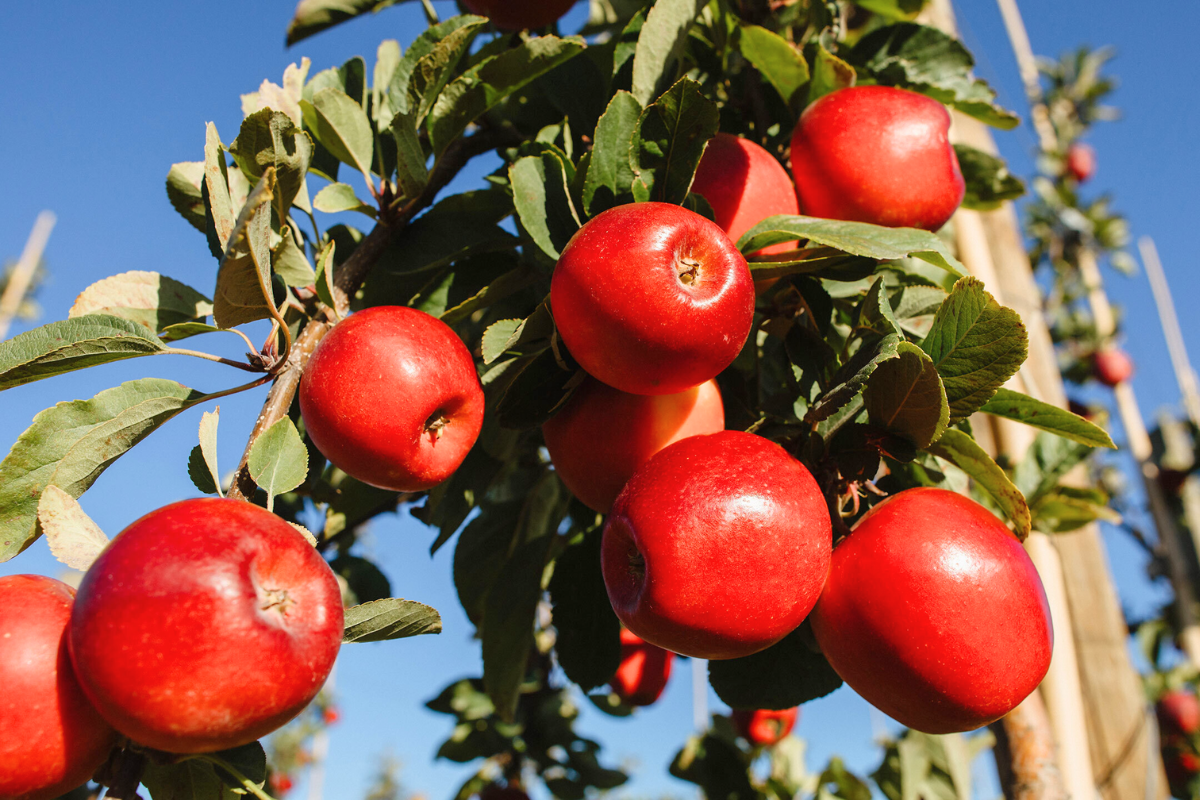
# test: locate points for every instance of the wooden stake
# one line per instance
(1184, 374)
(22, 276)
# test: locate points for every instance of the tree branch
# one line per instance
(347, 280)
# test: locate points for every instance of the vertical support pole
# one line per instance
(22, 276)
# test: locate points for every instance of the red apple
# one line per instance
(877, 154)
(603, 435)
(717, 547)
(392, 398)
(205, 625)
(1178, 713)
(1182, 768)
(331, 716)
(520, 14)
(281, 784)
(1112, 367)
(51, 738)
(651, 298)
(763, 727)
(643, 673)
(934, 613)
(1081, 161)
(744, 184)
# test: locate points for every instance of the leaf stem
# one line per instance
(176, 351)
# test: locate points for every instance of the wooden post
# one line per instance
(22, 276)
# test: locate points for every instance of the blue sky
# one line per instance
(100, 99)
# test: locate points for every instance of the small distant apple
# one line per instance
(643, 673)
(651, 298)
(603, 435)
(877, 154)
(717, 547)
(1178, 713)
(763, 727)
(1112, 367)
(1081, 161)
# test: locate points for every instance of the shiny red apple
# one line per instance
(603, 435)
(744, 184)
(651, 298)
(1081, 161)
(877, 154)
(1112, 367)
(520, 14)
(643, 673)
(392, 398)
(51, 738)
(717, 547)
(764, 727)
(205, 625)
(934, 613)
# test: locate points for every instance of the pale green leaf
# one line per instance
(340, 197)
(1023, 408)
(662, 39)
(74, 538)
(390, 618)
(152, 300)
(289, 262)
(963, 452)
(244, 277)
(72, 344)
(278, 460)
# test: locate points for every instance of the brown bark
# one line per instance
(1025, 754)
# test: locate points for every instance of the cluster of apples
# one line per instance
(203, 626)
(1178, 713)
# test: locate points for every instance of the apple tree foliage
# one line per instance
(868, 357)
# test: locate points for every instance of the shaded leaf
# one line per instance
(184, 181)
(610, 174)
(543, 202)
(340, 124)
(829, 74)
(208, 445)
(391, 618)
(219, 211)
(71, 444)
(244, 277)
(963, 452)
(340, 197)
(849, 381)
(906, 397)
(289, 263)
(671, 138)
(434, 70)
(199, 472)
(411, 171)
(270, 138)
(588, 644)
(70, 345)
(784, 675)
(314, 16)
(366, 581)
(480, 88)
(74, 538)
(989, 183)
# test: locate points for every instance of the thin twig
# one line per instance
(175, 351)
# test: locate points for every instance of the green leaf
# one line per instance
(1030, 411)
(543, 201)
(507, 626)
(249, 759)
(366, 582)
(779, 61)
(1047, 460)
(855, 238)
(184, 330)
(989, 183)
(1067, 508)
(893, 9)
(72, 344)
(208, 448)
(387, 61)
(481, 552)
(849, 381)
(244, 277)
(187, 780)
(427, 42)
(289, 262)
(784, 675)
(610, 173)
(829, 74)
(434, 70)
(219, 213)
(717, 766)
(71, 444)
(538, 390)
(499, 289)
(340, 197)
(278, 460)
(672, 135)
(588, 644)
(199, 473)
(340, 124)
(906, 397)
(963, 452)
(391, 618)
(976, 345)
(314, 16)
(155, 301)
(518, 336)
(931, 62)
(484, 85)
(411, 171)
(184, 181)
(324, 278)
(662, 40)
(270, 138)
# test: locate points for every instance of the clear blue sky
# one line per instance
(99, 99)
